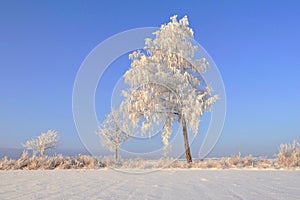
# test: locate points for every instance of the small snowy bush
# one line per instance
(248, 161)
(6, 164)
(289, 155)
(23, 161)
(264, 164)
(234, 160)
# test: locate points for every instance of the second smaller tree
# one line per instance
(43, 142)
(111, 133)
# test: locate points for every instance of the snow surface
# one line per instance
(163, 184)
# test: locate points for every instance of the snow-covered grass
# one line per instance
(54, 162)
(288, 157)
(233, 162)
(89, 162)
(163, 184)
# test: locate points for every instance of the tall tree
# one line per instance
(166, 83)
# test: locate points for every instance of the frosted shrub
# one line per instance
(248, 161)
(207, 164)
(56, 162)
(210, 163)
(23, 161)
(36, 163)
(88, 162)
(264, 164)
(237, 161)
(289, 155)
(172, 163)
(6, 163)
(232, 162)
(137, 163)
(109, 161)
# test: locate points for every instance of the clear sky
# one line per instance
(255, 45)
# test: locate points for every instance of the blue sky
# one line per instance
(254, 44)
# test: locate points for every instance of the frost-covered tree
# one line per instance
(166, 83)
(111, 132)
(43, 142)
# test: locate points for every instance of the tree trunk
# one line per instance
(186, 141)
(116, 154)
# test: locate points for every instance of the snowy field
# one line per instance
(163, 184)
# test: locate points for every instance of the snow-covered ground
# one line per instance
(163, 184)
